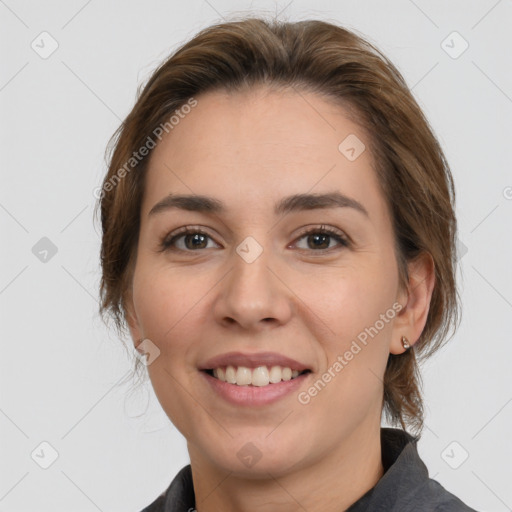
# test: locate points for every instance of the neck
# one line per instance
(332, 483)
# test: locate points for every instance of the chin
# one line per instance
(253, 456)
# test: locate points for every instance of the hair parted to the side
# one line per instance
(341, 66)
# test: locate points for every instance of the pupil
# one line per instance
(195, 237)
(317, 237)
(198, 239)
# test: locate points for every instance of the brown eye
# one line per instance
(194, 241)
(186, 240)
(319, 239)
(189, 240)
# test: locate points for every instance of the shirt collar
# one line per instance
(404, 473)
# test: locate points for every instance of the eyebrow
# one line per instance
(294, 203)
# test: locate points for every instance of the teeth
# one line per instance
(260, 376)
(230, 375)
(243, 376)
(275, 374)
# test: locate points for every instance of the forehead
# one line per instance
(260, 145)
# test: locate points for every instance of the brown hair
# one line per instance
(336, 63)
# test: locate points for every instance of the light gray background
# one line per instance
(61, 367)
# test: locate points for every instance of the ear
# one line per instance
(411, 319)
(132, 320)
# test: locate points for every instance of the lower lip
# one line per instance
(254, 395)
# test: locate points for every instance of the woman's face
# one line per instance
(253, 289)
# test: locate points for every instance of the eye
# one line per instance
(190, 239)
(318, 239)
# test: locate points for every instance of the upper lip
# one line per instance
(253, 361)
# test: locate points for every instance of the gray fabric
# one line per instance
(404, 487)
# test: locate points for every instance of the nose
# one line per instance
(252, 295)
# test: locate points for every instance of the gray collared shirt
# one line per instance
(404, 487)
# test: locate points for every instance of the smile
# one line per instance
(259, 376)
(253, 379)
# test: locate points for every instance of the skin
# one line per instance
(248, 150)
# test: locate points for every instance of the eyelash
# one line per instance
(166, 243)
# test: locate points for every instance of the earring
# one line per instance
(405, 342)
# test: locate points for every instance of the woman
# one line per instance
(279, 239)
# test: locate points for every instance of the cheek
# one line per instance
(165, 301)
(359, 311)
(354, 299)
(167, 307)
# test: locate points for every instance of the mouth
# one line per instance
(254, 379)
(259, 376)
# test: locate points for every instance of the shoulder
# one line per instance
(433, 497)
(406, 485)
(157, 506)
(178, 497)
